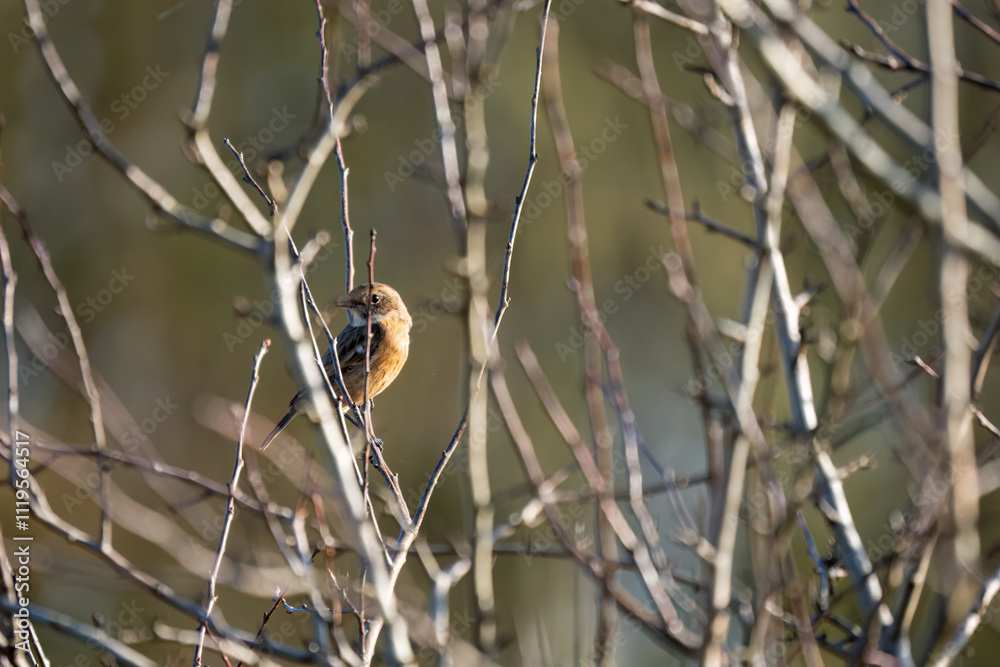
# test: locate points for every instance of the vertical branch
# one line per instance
(210, 594)
(957, 395)
(202, 149)
(583, 285)
(367, 404)
(532, 159)
(345, 220)
(444, 581)
(210, 65)
(13, 397)
(725, 546)
(338, 151)
(363, 9)
(449, 151)
(409, 534)
(324, 62)
(477, 323)
(664, 144)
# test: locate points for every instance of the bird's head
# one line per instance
(383, 302)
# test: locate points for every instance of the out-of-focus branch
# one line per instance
(957, 436)
(153, 192)
(210, 66)
(89, 635)
(968, 625)
(66, 311)
(639, 549)
(808, 92)
(10, 349)
(467, 73)
(449, 149)
(583, 285)
(664, 620)
(444, 581)
(659, 11)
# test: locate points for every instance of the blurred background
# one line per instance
(160, 309)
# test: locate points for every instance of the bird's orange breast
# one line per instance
(386, 363)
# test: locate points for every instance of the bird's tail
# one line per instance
(280, 426)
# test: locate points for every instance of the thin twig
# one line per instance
(345, 220)
(248, 178)
(504, 300)
(975, 21)
(900, 60)
(711, 224)
(324, 67)
(210, 595)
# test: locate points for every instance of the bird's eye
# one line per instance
(375, 299)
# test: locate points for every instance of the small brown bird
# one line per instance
(390, 346)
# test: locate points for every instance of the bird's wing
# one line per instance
(351, 349)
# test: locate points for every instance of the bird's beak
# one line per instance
(347, 302)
